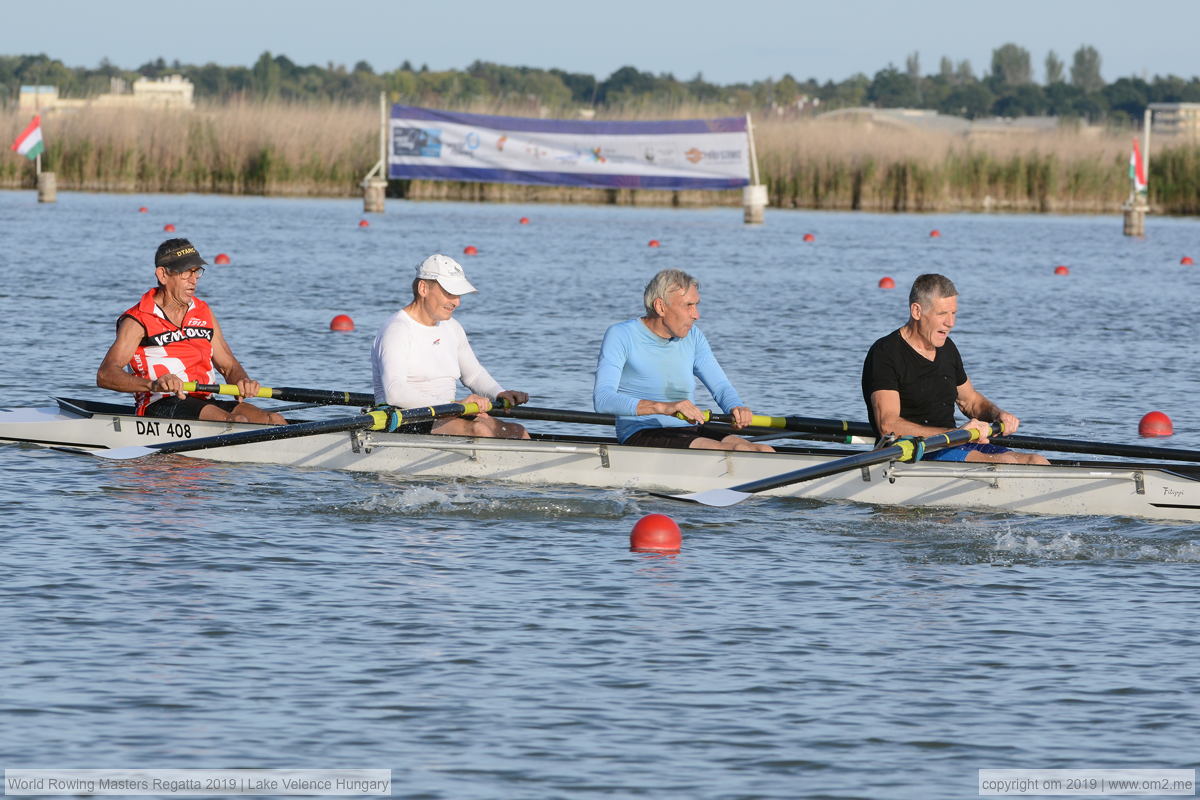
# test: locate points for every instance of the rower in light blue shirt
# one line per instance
(647, 370)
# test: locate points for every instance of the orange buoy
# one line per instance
(1061, 270)
(886, 283)
(341, 323)
(221, 258)
(362, 223)
(169, 228)
(524, 220)
(654, 243)
(656, 533)
(470, 250)
(808, 237)
(142, 210)
(1186, 261)
(1156, 423)
(935, 233)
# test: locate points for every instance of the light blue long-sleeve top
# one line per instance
(635, 364)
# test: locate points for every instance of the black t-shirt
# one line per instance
(928, 389)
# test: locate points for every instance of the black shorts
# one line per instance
(680, 437)
(171, 407)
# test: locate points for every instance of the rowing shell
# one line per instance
(1106, 488)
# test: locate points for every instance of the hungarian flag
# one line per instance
(1137, 170)
(29, 143)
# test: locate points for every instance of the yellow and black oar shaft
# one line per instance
(328, 397)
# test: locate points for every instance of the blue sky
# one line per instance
(726, 41)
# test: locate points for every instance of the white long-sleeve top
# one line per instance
(415, 365)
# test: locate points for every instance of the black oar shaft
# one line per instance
(379, 419)
(1096, 448)
(327, 397)
(270, 434)
(896, 452)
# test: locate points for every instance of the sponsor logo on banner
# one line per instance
(472, 141)
(423, 142)
(696, 155)
(599, 159)
(500, 143)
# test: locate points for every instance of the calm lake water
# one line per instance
(491, 641)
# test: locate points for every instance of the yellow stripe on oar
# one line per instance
(756, 420)
(230, 389)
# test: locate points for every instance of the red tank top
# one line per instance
(184, 350)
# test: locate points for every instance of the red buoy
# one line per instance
(1186, 261)
(221, 258)
(362, 223)
(169, 228)
(143, 210)
(935, 233)
(656, 533)
(470, 250)
(808, 237)
(341, 323)
(886, 283)
(524, 220)
(1061, 270)
(1156, 423)
(654, 243)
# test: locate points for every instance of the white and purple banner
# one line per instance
(676, 154)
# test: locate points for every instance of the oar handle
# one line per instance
(328, 397)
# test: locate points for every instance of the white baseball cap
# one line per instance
(447, 272)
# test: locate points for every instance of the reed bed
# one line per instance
(283, 149)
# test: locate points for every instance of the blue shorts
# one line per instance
(959, 453)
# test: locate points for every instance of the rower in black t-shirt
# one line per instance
(914, 377)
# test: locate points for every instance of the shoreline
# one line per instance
(806, 164)
(509, 194)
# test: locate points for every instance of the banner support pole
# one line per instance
(754, 196)
(374, 185)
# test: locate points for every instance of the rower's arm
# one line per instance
(886, 405)
(972, 403)
(111, 374)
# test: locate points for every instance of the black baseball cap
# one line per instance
(178, 255)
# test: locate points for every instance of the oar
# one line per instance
(1097, 448)
(900, 451)
(325, 397)
(845, 429)
(377, 420)
(852, 429)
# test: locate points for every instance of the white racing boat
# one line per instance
(1157, 490)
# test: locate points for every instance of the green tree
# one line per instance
(1085, 69)
(968, 100)
(1054, 69)
(267, 77)
(1011, 65)
(946, 70)
(892, 88)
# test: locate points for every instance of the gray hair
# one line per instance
(930, 286)
(662, 284)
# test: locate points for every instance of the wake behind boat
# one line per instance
(1152, 490)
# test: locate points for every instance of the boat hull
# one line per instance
(1155, 491)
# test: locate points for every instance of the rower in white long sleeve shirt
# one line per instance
(422, 353)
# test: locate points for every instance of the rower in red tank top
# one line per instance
(171, 337)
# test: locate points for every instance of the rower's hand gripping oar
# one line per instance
(383, 418)
(906, 449)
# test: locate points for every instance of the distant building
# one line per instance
(37, 98)
(173, 91)
(1177, 119)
